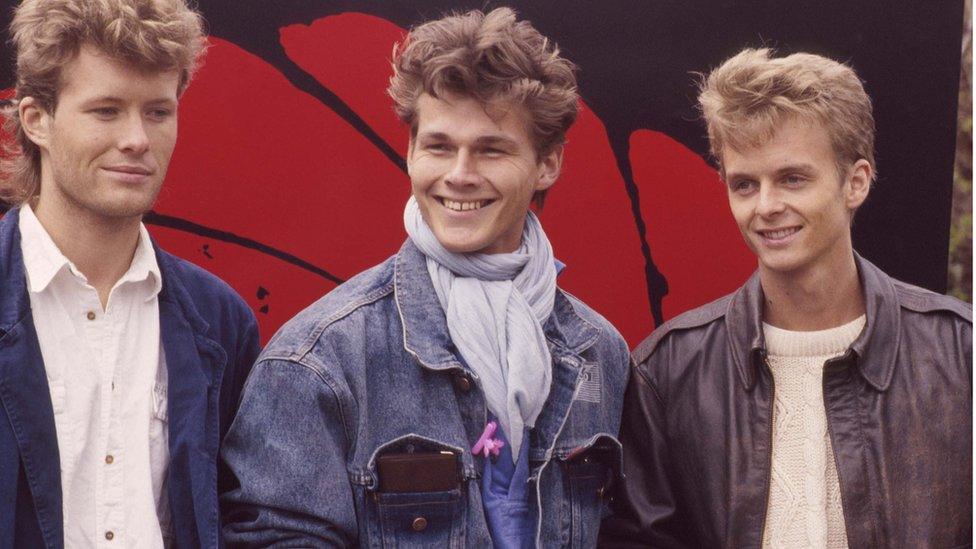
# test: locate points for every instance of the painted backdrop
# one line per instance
(289, 178)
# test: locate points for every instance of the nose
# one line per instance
(133, 137)
(770, 202)
(464, 171)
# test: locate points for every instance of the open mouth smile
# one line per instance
(463, 206)
(778, 236)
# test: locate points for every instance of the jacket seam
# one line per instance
(876, 508)
(313, 337)
(647, 381)
(319, 373)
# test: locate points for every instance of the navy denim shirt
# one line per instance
(369, 370)
(210, 339)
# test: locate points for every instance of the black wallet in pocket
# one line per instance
(418, 472)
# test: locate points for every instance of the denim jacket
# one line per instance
(370, 370)
(210, 339)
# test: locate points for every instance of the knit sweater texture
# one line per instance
(804, 493)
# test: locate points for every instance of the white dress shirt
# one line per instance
(107, 376)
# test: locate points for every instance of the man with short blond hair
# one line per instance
(822, 404)
(120, 365)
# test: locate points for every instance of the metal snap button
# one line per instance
(463, 383)
(419, 524)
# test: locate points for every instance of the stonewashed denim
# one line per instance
(370, 369)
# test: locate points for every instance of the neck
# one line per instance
(101, 248)
(816, 298)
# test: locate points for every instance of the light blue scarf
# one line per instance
(495, 306)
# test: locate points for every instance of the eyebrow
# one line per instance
(483, 141)
(114, 99)
(791, 168)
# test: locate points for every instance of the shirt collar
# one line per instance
(144, 265)
(43, 260)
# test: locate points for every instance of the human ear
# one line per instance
(549, 168)
(35, 121)
(858, 184)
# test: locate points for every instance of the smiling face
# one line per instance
(474, 171)
(106, 147)
(789, 202)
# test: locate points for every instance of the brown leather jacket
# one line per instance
(697, 425)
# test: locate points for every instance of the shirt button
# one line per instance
(109, 535)
(91, 316)
(419, 524)
(463, 383)
(109, 459)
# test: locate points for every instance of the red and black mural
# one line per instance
(289, 176)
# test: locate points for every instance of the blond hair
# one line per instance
(489, 57)
(745, 99)
(48, 34)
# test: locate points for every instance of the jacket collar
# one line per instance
(873, 351)
(14, 302)
(425, 333)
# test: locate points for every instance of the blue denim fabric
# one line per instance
(370, 369)
(210, 339)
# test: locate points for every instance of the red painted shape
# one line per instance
(692, 234)
(350, 54)
(588, 219)
(258, 158)
(262, 160)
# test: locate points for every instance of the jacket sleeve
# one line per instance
(644, 506)
(286, 452)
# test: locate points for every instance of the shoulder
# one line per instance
(608, 333)
(212, 298)
(331, 312)
(694, 320)
(920, 300)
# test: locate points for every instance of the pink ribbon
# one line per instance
(486, 444)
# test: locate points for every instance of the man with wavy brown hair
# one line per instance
(452, 396)
(823, 404)
(120, 365)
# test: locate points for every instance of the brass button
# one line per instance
(463, 383)
(91, 316)
(109, 535)
(419, 524)
(109, 459)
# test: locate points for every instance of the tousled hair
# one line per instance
(489, 57)
(155, 35)
(745, 99)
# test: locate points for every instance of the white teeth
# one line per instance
(781, 233)
(464, 206)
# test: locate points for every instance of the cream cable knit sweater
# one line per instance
(804, 494)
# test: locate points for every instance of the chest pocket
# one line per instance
(418, 499)
(588, 472)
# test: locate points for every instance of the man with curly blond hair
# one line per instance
(120, 365)
(452, 396)
(823, 404)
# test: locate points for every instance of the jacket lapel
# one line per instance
(194, 365)
(24, 392)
